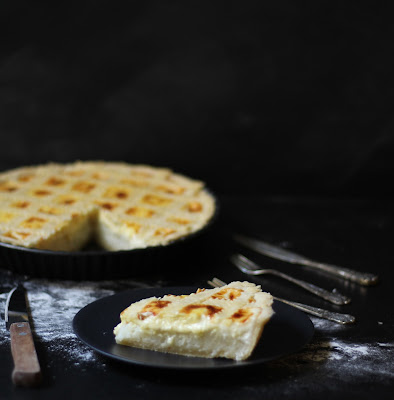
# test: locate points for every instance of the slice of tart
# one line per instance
(222, 322)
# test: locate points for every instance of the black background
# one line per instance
(263, 101)
(277, 97)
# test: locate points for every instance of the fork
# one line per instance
(362, 278)
(317, 312)
(250, 268)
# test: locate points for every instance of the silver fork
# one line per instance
(250, 268)
(362, 278)
(317, 312)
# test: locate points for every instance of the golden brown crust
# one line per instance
(132, 206)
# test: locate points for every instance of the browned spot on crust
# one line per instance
(227, 293)
(194, 206)
(171, 189)
(153, 308)
(99, 176)
(67, 200)
(156, 200)
(42, 192)
(8, 187)
(140, 212)
(16, 235)
(164, 231)
(206, 309)
(6, 216)
(121, 195)
(21, 204)
(84, 186)
(54, 181)
(134, 226)
(25, 177)
(242, 315)
(116, 193)
(107, 205)
(33, 222)
(180, 221)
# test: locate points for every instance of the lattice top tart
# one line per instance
(121, 206)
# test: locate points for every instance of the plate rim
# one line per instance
(227, 363)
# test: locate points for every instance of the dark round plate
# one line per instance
(94, 263)
(287, 332)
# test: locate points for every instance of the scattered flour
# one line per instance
(343, 358)
(53, 306)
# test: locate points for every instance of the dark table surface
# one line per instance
(340, 361)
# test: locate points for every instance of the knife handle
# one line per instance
(27, 370)
(362, 278)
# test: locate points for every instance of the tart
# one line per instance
(121, 206)
(222, 322)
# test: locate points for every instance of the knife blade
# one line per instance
(362, 278)
(27, 371)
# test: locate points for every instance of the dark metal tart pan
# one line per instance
(94, 263)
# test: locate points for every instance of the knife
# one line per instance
(27, 371)
(362, 278)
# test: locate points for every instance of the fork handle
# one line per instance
(319, 312)
(333, 297)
